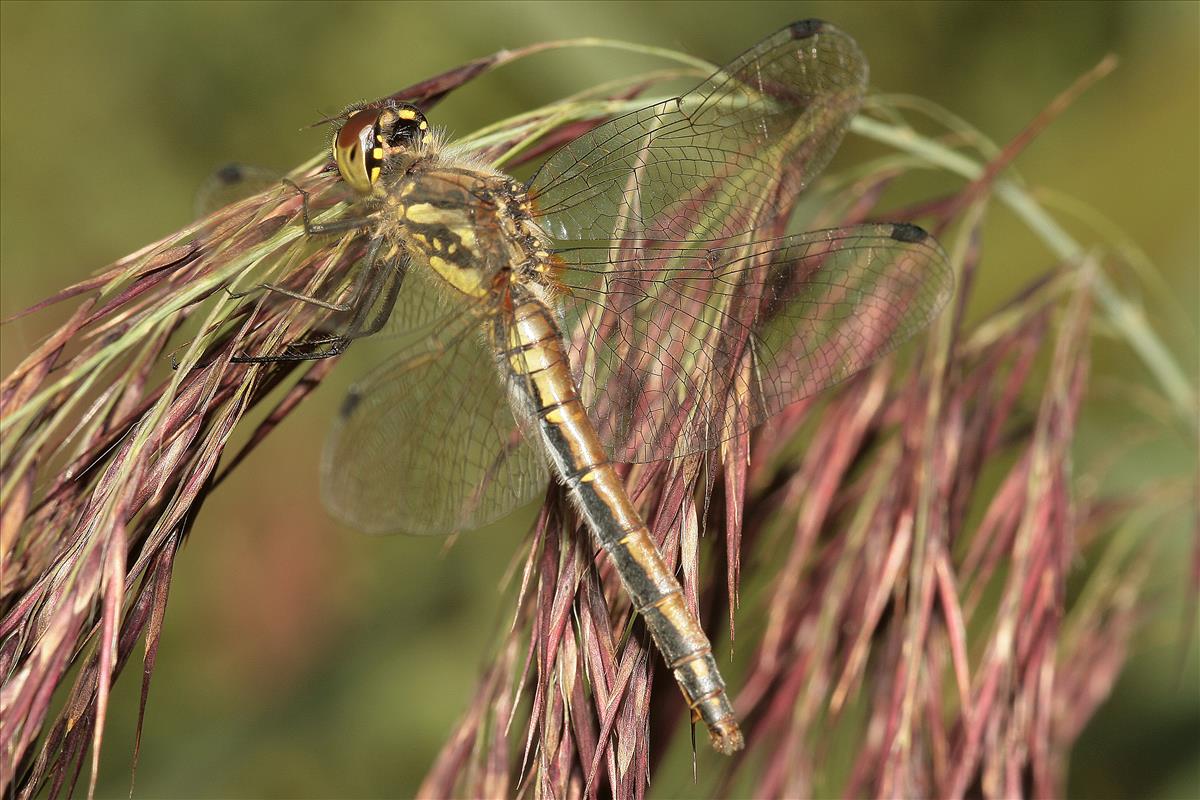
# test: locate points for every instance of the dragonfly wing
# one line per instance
(684, 346)
(233, 183)
(709, 164)
(428, 443)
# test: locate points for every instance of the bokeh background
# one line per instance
(303, 660)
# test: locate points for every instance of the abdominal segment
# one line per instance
(534, 356)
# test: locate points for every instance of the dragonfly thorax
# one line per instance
(469, 226)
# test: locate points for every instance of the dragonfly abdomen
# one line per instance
(537, 361)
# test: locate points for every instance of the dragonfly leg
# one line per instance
(394, 279)
(290, 357)
(300, 296)
(378, 280)
(318, 228)
(360, 284)
(301, 351)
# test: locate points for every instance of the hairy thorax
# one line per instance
(471, 227)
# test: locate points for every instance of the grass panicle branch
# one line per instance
(896, 552)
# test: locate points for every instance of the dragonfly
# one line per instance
(634, 301)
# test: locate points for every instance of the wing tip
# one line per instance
(907, 232)
(807, 27)
(349, 403)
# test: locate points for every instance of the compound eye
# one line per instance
(357, 150)
(403, 125)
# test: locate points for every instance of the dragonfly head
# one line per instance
(362, 144)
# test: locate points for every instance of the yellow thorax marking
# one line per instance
(426, 214)
(464, 279)
(456, 221)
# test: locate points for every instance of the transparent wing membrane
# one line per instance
(232, 183)
(687, 322)
(682, 347)
(428, 443)
(704, 166)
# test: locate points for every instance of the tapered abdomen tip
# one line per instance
(727, 738)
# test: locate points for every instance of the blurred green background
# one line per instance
(301, 660)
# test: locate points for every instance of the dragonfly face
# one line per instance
(630, 305)
(361, 143)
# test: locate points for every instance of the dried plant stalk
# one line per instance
(916, 609)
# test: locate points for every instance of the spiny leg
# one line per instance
(381, 277)
(340, 308)
(318, 228)
(360, 327)
(311, 229)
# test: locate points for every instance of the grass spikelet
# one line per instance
(895, 553)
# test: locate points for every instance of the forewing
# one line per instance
(232, 183)
(428, 443)
(685, 346)
(706, 166)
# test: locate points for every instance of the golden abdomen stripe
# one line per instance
(534, 353)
